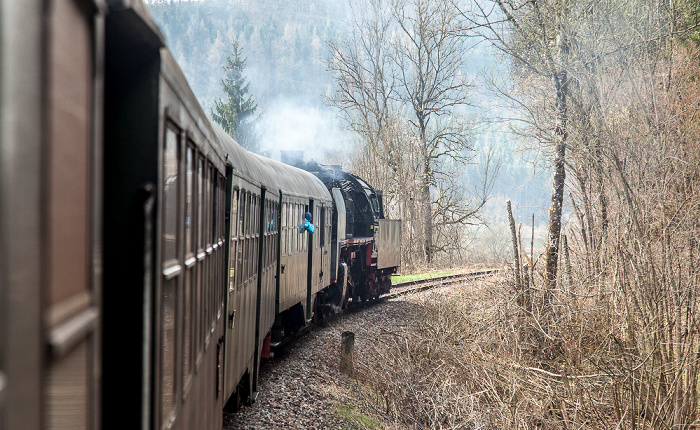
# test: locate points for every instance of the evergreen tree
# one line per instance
(236, 115)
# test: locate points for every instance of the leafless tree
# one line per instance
(537, 36)
(610, 88)
(401, 86)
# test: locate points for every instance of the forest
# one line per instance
(288, 52)
(557, 136)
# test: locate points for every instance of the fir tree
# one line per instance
(236, 115)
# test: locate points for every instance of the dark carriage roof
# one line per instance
(137, 19)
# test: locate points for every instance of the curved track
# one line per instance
(409, 287)
(399, 289)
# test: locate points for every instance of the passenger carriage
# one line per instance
(148, 263)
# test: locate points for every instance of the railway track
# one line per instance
(397, 290)
(409, 287)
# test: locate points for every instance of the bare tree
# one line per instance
(385, 152)
(429, 56)
(611, 95)
(537, 37)
(401, 85)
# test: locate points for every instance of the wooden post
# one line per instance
(567, 262)
(347, 346)
(527, 302)
(532, 253)
(516, 255)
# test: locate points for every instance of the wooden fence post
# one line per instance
(347, 346)
(516, 253)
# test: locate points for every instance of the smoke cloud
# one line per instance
(288, 124)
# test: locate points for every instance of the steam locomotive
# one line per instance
(148, 263)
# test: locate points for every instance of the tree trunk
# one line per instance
(555, 210)
(552, 253)
(516, 254)
(427, 215)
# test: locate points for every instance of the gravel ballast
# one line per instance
(304, 389)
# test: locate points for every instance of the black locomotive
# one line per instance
(148, 263)
(369, 245)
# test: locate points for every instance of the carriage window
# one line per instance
(318, 220)
(252, 251)
(265, 240)
(206, 218)
(234, 213)
(266, 216)
(314, 240)
(170, 252)
(275, 233)
(189, 197)
(234, 240)
(211, 221)
(242, 214)
(257, 215)
(256, 233)
(246, 210)
(293, 228)
(222, 199)
(290, 228)
(302, 235)
(200, 200)
(272, 216)
(273, 225)
(285, 221)
(246, 275)
(210, 212)
(322, 226)
(295, 231)
(189, 249)
(329, 222)
(199, 273)
(241, 233)
(252, 215)
(214, 204)
(221, 260)
(283, 228)
(290, 232)
(275, 230)
(170, 194)
(305, 235)
(302, 232)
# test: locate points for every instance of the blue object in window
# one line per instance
(308, 226)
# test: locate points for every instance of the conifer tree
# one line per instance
(236, 114)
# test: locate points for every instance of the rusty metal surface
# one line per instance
(388, 237)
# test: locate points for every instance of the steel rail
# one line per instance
(399, 289)
(418, 285)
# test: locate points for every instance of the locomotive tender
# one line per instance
(148, 263)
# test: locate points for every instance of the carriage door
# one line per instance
(322, 241)
(72, 221)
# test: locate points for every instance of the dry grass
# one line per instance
(472, 359)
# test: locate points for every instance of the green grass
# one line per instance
(348, 413)
(416, 276)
